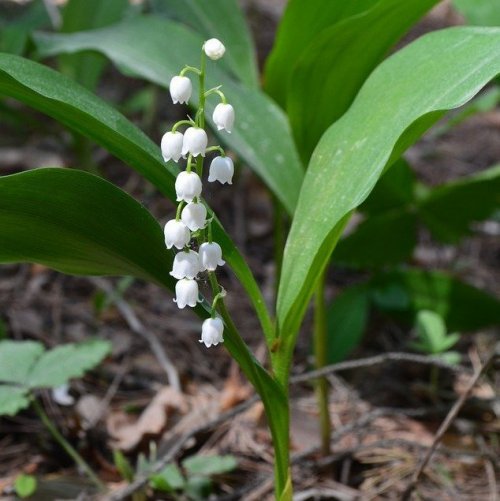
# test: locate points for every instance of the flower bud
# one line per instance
(176, 234)
(223, 117)
(186, 293)
(180, 89)
(214, 48)
(186, 265)
(171, 146)
(211, 332)
(222, 170)
(195, 142)
(210, 255)
(194, 216)
(187, 186)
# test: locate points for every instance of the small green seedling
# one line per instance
(432, 339)
(25, 485)
(25, 366)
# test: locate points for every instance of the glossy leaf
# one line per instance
(75, 107)
(480, 12)
(347, 317)
(334, 75)
(222, 19)
(302, 22)
(78, 223)
(261, 135)
(463, 307)
(438, 72)
(449, 210)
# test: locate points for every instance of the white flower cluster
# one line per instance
(191, 212)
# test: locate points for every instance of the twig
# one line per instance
(137, 326)
(377, 360)
(452, 414)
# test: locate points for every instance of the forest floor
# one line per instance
(384, 416)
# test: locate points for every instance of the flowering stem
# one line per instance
(182, 122)
(66, 445)
(320, 350)
(189, 68)
(216, 90)
(220, 149)
(188, 166)
(179, 210)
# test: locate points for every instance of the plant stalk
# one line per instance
(320, 349)
(66, 445)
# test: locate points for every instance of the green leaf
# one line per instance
(123, 466)
(168, 480)
(449, 209)
(81, 15)
(439, 71)
(463, 307)
(25, 485)
(338, 61)
(57, 366)
(75, 107)
(380, 240)
(206, 18)
(479, 12)
(261, 135)
(431, 330)
(302, 22)
(78, 223)
(17, 358)
(13, 399)
(451, 357)
(347, 317)
(209, 465)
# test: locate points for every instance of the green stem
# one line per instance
(66, 445)
(320, 350)
(182, 122)
(279, 241)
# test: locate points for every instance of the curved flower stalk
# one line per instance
(190, 233)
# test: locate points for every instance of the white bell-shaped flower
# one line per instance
(180, 89)
(214, 48)
(171, 146)
(186, 293)
(187, 186)
(186, 265)
(195, 142)
(194, 216)
(176, 234)
(211, 332)
(210, 255)
(223, 117)
(222, 170)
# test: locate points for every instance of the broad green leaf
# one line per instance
(79, 15)
(302, 22)
(439, 71)
(347, 317)
(209, 465)
(222, 19)
(480, 12)
(338, 61)
(75, 107)
(57, 366)
(25, 485)
(261, 135)
(12, 399)
(168, 480)
(17, 358)
(463, 307)
(78, 223)
(380, 240)
(431, 330)
(449, 209)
